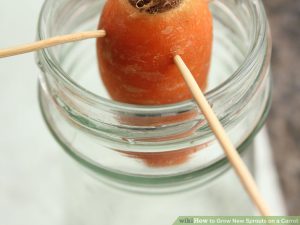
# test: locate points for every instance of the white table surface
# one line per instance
(30, 178)
(30, 171)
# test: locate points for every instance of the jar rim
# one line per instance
(97, 100)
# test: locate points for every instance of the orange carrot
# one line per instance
(136, 56)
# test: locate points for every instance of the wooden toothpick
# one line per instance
(239, 166)
(51, 42)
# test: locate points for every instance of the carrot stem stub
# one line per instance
(136, 57)
(155, 6)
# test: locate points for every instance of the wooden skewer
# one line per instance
(51, 42)
(220, 133)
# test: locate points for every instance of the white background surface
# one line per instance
(29, 158)
(30, 172)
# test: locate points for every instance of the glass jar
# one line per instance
(130, 164)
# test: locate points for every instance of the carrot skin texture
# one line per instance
(136, 59)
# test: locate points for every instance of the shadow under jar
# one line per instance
(113, 174)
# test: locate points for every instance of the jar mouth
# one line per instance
(259, 35)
